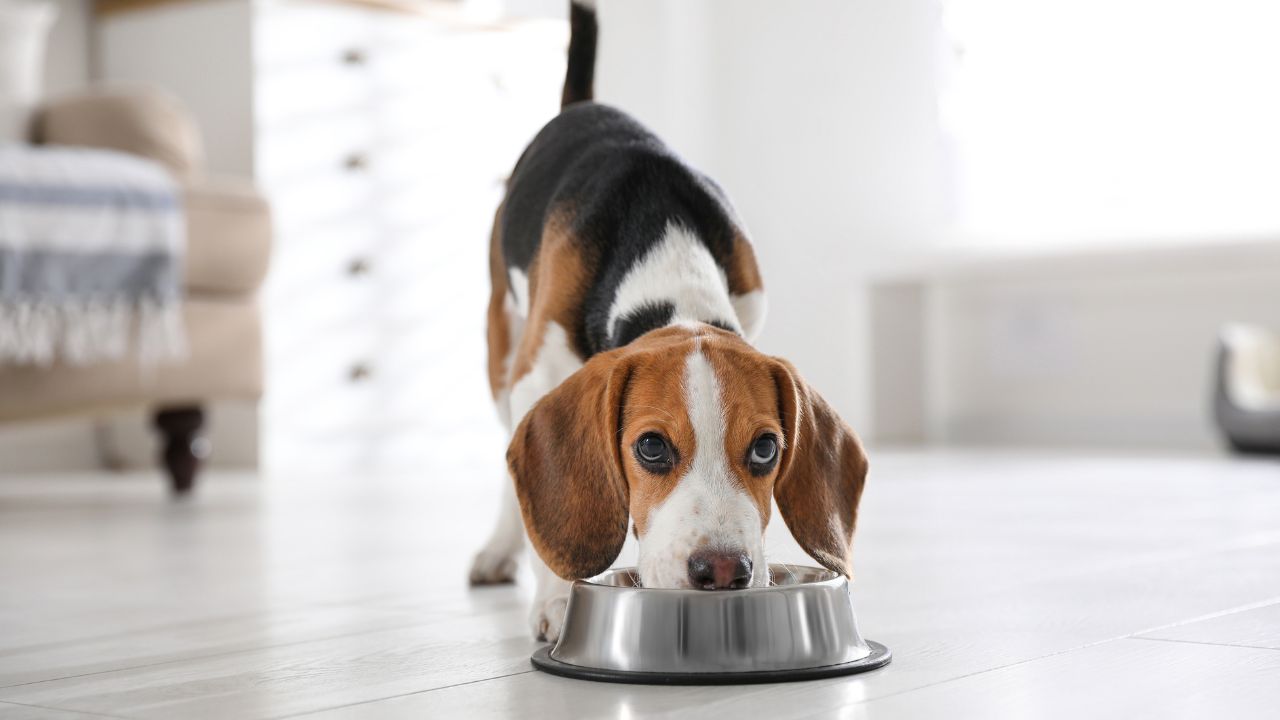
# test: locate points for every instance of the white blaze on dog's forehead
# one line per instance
(679, 270)
(707, 505)
(702, 395)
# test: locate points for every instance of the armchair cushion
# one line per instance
(143, 122)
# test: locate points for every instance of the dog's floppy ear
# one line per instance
(566, 462)
(822, 473)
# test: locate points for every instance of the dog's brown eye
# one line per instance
(763, 452)
(653, 451)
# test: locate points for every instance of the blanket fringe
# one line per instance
(92, 331)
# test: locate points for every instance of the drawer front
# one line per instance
(284, 100)
(348, 271)
(338, 143)
(310, 205)
(348, 172)
(384, 167)
(295, 34)
(313, 60)
(431, 376)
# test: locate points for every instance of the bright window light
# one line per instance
(1093, 120)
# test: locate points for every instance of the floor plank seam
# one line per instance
(241, 616)
(40, 647)
(62, 709)
(191, 658)
(1211, 616)
(1133, 636)
(399, 695)
(989, 670)
(1205, 642)
(1136, 562)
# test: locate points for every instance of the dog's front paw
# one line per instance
(493, 567)
(547, 618)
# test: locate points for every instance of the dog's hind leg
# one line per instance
(497, 560)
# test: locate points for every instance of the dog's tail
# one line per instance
(579, 77)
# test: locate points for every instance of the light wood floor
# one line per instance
(1007, 585)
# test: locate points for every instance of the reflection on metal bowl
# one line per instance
(800, 627)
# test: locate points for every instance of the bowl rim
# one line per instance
(878, 657)
(833, 579)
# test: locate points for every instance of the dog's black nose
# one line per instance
(716, 570)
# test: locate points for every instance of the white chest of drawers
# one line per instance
(382, 139)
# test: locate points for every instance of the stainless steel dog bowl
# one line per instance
(801, 627)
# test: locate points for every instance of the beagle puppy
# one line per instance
(625, 294)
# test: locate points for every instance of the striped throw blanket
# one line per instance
(91, 245)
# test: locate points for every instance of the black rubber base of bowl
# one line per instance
(879, 657)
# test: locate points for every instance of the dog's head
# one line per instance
(690, 432)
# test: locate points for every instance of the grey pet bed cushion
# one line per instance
(1246, 399)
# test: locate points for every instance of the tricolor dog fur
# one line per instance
(625, 299)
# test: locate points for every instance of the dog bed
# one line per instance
(1247, 388)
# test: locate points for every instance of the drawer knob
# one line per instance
(359, 267)
(355, 56)
(356, 162)
(359, 372)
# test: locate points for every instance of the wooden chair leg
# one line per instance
(184, 447)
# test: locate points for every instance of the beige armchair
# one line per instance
(228, 244)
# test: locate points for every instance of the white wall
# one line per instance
(202, 52)
(1107, 348)
(67, 58)
(1093, 119)
(819, 118)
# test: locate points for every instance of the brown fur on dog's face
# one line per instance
(710, 398)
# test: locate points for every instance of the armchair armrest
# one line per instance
(228, 236)
(143, 122)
